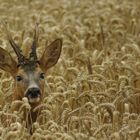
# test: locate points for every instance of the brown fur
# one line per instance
(48, 59)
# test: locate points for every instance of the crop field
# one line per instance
(93, 92)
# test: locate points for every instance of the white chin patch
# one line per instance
(34, 100)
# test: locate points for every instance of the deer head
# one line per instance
(29, 73)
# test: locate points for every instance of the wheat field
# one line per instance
(93, 92)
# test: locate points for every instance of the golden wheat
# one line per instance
(93, 93)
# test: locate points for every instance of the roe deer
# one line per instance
(29, 73)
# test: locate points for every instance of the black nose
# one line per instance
(33, 92)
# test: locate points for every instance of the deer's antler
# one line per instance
(21, 58)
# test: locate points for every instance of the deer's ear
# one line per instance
(51, 54)
(6, 62)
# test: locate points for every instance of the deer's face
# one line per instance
(29, 73)
(30, 83)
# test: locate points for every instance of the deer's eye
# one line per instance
(42, 75)
(18, 78)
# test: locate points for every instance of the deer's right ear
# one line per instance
(7, 63)
(51, 54)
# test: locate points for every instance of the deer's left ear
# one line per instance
(51, 54)
(7, 63)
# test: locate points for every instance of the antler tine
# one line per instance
(34, 44)
(13, 44)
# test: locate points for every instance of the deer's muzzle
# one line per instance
(33, 94)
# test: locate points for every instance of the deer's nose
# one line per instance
(33, 92)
